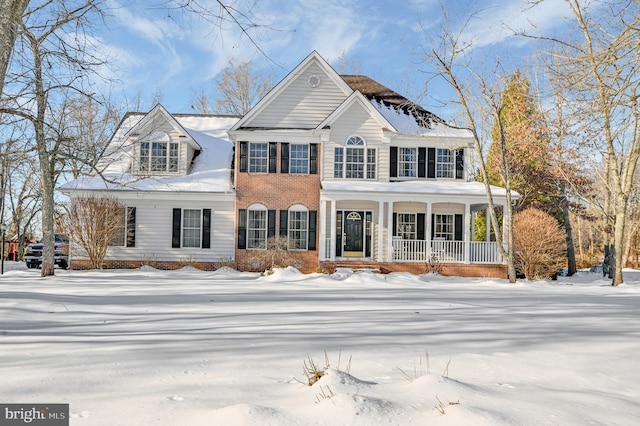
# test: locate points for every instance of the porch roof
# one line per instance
(440, 188)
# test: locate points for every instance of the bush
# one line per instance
(539, 244)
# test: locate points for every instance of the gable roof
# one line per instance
(313, 58)
(357, 97)
(375, 91)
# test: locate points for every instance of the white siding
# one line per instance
(356, 121)
(301, 106)
(154, 228)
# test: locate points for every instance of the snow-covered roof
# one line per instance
(432, 187)
(211, 168)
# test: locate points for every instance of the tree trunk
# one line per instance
(618, 240)
(571, 251)
(10, 18)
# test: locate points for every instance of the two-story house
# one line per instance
(345, 170)
(357, 175)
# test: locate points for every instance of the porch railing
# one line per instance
(445, 251)
(441, 250)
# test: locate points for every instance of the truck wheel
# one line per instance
(63, 264)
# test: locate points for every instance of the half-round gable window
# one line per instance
(355, 140)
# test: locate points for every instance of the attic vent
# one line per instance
(182, 136)
(313, 80)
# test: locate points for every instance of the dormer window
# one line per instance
(159, 154)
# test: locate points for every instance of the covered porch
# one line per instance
(433, 229)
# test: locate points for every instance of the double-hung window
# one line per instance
(299, 159)
(445, 166)
(406, 226)
(355, 160)
(159, 156)
(258, 157)
(407, 162)
(298, 229)
(257, 229)
(191, 227)
(444, 227)
(124, 233)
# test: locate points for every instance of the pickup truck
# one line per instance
(33, 255)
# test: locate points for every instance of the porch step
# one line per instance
(358, 267)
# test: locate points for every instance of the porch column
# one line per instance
(380, 231)
(390, 231)
(323, 230)
(332, 231)
(467, 232)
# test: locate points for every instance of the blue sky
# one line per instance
(153, 49)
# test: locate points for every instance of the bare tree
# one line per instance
(51, 66)
(239, 88)
(10, 18)
(599, 69)
(94, 223)
(449, 58)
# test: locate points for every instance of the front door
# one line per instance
(353, 234)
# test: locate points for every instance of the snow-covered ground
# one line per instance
(148, 347)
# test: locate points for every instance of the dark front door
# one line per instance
(353, 233)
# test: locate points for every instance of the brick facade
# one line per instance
(276, 191)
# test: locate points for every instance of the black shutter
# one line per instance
(393, 162)
(457, 228)
(271, 224)
(394, 231)
(284, 222)
(431, 163)
(284, 158)
(206, 228)
(459, 163)
(420, 231)
(422, 162)
(273, 157)
(131, 227)
(175, 236)
(338, 232)
(242, 228)
(313, 218)
(244, 154)
(313, 159)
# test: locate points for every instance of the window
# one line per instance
(355, 161)
(159, 156)
(407, 162)
(298, 229)
(406, 226)
(191, 227)
(125, 232)
(257, 229)
(444, 163)
(443, 227)
(299, 159)
(258, 158)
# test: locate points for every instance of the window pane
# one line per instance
(444, 227)
(144, 156)
(407, 162)
(371, 163)
(298, 230)
(406, 226)
(119, 234)
(258, 157)
(299, 159)
(173, 157)
(338, 163)
(355, 163)
(444, 163)
(191, 228)
(257, 229)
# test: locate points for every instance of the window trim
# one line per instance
(251, 165)
(445, 166)
(250, 211)
(450, 223)
(147, 161)
(305, 160)
(290, 229)
(414, 223)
